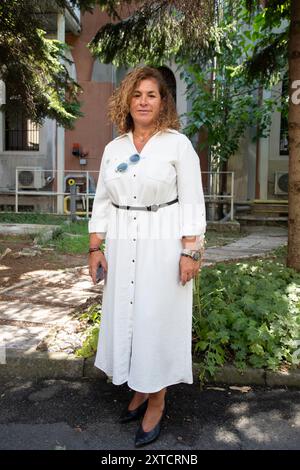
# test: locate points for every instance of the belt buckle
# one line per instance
(154, 208)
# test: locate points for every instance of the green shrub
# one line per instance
(93, 318)
(246, 313)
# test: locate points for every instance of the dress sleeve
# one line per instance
(190, 191)
(101, 206)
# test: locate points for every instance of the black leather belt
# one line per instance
(152, 208)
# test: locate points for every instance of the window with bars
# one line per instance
(284, 134)
(20, 132)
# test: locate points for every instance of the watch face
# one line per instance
(196, 256)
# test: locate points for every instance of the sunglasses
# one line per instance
(133, 160)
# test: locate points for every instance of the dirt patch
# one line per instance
(13, 267)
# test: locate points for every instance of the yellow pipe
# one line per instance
(66, 211)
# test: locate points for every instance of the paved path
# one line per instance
(44, 302)
(259, 243)
(34, 308)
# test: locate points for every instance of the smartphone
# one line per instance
(100, 274)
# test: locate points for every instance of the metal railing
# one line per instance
(35, 181)
(215, 195)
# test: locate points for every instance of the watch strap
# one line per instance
(196, 256)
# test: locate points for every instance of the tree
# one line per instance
(31, 65)
(231, 103)
(155, 31)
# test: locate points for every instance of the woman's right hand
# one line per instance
(96, 258)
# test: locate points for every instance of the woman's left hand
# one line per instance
(188, 269)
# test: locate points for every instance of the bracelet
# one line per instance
(94, 248)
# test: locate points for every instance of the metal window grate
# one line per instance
(20, 132)
(284, 136)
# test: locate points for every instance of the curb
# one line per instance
(57, 365)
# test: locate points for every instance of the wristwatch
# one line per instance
(195, 255)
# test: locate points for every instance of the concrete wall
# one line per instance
(240, 165)
(243, 163)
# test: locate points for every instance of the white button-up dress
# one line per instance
(146, 324)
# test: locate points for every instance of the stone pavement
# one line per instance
(22, 229)
(256, 244)
(41, 308)
(41, 304)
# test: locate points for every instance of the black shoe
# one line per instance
(143, 438)
(131, 415)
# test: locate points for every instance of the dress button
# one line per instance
(134, 197)
(131, 282)
(134, 175)
(133, 260)
(134, 239)
(134, 218)
(131, 302)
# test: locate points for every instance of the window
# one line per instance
(20, 132)
(284, 133)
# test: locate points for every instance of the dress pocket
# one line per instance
(160, 171)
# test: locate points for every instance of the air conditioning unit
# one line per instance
(32, 178)
(281, 183)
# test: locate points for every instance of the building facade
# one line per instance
(38, 163)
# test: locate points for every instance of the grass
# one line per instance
(31, 218)
(71, 238)
(214, 238)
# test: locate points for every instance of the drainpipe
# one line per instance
(60, 134)
(2, 101)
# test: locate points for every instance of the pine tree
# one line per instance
(31, 65)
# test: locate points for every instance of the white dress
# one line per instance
(146, 324)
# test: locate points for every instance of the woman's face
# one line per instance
(145, 103)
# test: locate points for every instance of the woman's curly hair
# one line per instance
(119, 102)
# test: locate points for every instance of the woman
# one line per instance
(149, 206)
